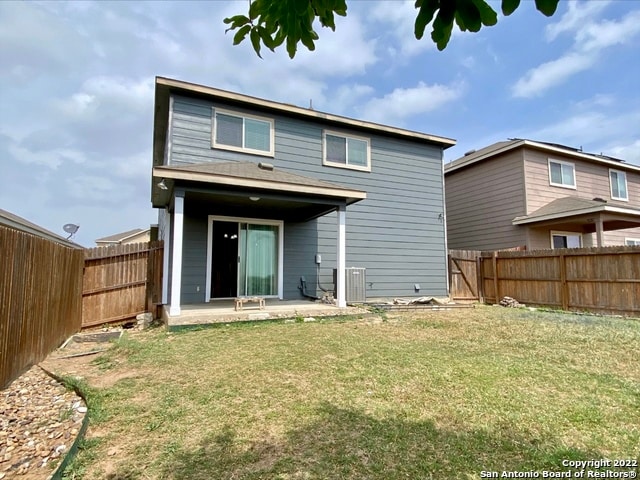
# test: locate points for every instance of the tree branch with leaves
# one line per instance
(271, 23)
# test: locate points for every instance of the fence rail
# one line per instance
(120, 282)
(600, 280)
(40, 298)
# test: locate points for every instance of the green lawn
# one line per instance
(436, 395)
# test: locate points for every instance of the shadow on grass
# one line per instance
(347, 444)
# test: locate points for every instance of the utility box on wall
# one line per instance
(355, 284)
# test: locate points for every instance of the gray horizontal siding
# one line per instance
(397, 233)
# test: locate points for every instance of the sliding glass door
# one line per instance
(252, 249)
(258, 271)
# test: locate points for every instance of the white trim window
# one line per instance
(562, 174)
(632, 242)
(566, 240)
(242, 132)
(618, 181)
(346, 151)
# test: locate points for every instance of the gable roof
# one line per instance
(119, 237)
(476, 156)
(254, 176)
(167, 86)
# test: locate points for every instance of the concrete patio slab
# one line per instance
(223, 311)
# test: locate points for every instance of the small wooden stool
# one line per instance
(242, 300)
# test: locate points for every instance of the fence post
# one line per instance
(149, 286)
(494, 259)
(450, 274)
(564, 293)
(480, 278)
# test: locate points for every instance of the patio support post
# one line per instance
(341, 254)
(176, 246)
(599, 229)
(166, 253)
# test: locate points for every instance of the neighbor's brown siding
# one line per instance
(592, 180)
(602, 280)
(483, 200)
(40, 299)
(120, 282)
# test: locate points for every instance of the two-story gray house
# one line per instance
(259, 198)
(524, 193)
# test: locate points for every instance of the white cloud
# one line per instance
(598, 36)
(629, 152)
(578, 14)
(403, 103)
(611, 131)
(399, 18)
(545, 76)
(591, 37)
(328, 58)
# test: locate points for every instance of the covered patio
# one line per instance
(245, 194)
(582, 215)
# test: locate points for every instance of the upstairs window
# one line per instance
(243, 133)
(618, 182)
(346, 151)
(562, 174)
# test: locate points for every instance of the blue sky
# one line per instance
(76, 89)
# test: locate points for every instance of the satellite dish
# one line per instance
(71, 229)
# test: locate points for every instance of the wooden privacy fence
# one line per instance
(602, 280)
(120, 282)
(40, 298)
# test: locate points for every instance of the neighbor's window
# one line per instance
(346, 151)
(562, 174)
(632, 241)
(241, 132)
(566, 240)
(618, 182)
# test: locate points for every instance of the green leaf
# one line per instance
(488, 15)
(425, 15)
(255, 40)
(236, 21)
(254, 9)
(266, 37)
(468, 16)
(442, 26)
(509, 6)
(240, 34)
(547, 7)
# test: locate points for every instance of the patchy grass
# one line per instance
(432, 395)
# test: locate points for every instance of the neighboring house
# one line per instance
(259, 198)
(136, 235)
(540, 195)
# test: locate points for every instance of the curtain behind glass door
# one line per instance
(258, 267)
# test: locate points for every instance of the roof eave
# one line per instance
(166, 85)
(351, 196)
(524, 220)
(463, 162)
